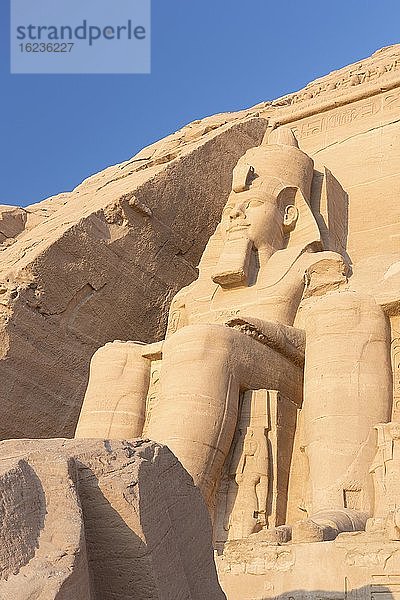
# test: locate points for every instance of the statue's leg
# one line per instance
(348, 386)
(197, 412)
(114, 404)
(204, 368)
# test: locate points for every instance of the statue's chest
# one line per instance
(264, 304)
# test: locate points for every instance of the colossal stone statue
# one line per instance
(271, 310)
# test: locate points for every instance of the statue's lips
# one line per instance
(237, 227)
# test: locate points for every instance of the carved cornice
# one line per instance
(366, 78)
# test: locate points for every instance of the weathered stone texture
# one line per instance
(42, 546)
(101, 520)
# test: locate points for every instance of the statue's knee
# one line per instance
(118, 345)
(119, 359)
(118, 348)
(199, 339)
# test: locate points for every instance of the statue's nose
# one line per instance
(237, 211)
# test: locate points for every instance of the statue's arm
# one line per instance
(287, 340)
(240, 469)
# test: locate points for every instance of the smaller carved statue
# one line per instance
(248, 487)
(385, 471)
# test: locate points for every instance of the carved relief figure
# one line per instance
(238, 327)
(386, 475)
(247, 493)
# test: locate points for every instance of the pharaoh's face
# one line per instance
(251, 215)
(250, 444)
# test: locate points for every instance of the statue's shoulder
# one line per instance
(179, 299)
(324, 259)
(325, 272)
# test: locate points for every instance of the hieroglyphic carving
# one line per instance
(364, 109)
(358, 74)
(339, 118)
(395, 352)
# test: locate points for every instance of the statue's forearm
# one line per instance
(286, 340)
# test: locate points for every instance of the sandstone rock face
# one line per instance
(43, 552)
(101, 520)
(12, 223)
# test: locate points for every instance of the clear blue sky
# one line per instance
(208, 56)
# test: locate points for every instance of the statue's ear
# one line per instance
(290, 217)
(299, 221)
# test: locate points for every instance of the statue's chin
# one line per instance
(233, 267)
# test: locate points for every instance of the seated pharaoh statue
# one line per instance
(274, 371)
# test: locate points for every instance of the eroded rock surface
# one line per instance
(101, 520)
(42, 544)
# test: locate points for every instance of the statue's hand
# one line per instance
(286, 340)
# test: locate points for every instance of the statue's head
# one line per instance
(394, 430)
(268, 206)
(249, 444)
(265, 217)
